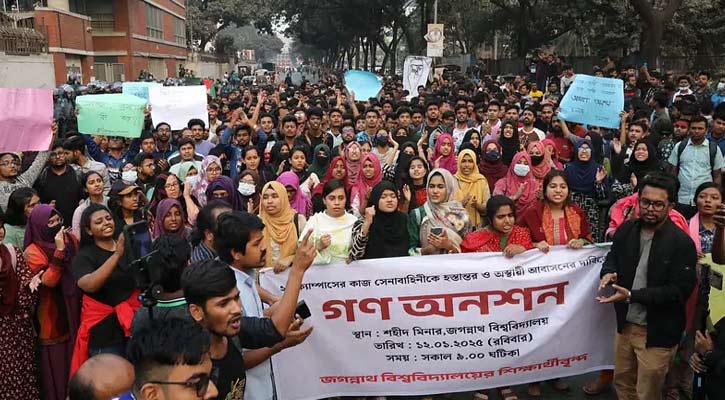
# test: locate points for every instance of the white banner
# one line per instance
(435, 37)
(449, 323)
(176, 105)
(415, 73)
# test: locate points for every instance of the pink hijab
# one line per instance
(352, 167)
(448, 162)
(360, 188)
(509, 184)
(301, 203)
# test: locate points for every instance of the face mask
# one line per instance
(381, 140)
(191, 180)
(246, 189)
(493, 156)
(521, 170)
(536, 160)
(51, 232)
(721, 86)
(129, 176)
(322, 159)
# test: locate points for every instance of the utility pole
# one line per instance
(435, 11)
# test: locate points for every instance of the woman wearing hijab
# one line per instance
(382, 232)
(249, 187)
(370, 176)
(279, 155)
(297, 198)
(473, 137)
(222, 188)
(211, 168)
(491, 165)
(282, 226)
(444, 156)
(509, 141)
(550, 146)
(439, 226)
(335, 171)
(170, 187)
(540, 160)
(187, 169)
(642, 161)
(353, 162)
(169, 219)
(17, 334)
(587, 184)
(519, 183)
(49, 250)
(473, 191)
(320, 160)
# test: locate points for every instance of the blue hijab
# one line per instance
(582, 175)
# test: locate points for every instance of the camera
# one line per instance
(138, 247)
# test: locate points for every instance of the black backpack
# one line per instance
(683, 144)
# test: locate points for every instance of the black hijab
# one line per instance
(639, 168)
(510, 146)
(388, 235)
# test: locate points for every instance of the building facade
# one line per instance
(114, 40)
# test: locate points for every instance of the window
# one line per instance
(154, 22)
(180, 31)
(157, 66)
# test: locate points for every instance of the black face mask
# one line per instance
(536, 160)
(381, 141)
(51, 232)
(322, 159)
(492, 156)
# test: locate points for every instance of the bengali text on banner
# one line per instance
(449, 323)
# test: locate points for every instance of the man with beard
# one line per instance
(348, 136)
(432, 126)
(75, 153)
(240, 243)
(210, 289)
(313, 135)
(528, 133)
(334, 134)
(289, 130)
(489, 129)
(648, 275)
(164, 148)
(197, 130)
(461, 126)
(543, 123)
(564, 141)
(60, 184)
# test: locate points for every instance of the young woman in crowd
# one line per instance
(540, 161)
(587, 184)
(211, 168)
(125, 202)
(298, 165)
(473, 191)
(49, 251)
(299, 201)
(519, 183)
(370, 175)
(169, 186)
(282, 226)
(550, 147)
(110, 297)
(491, 165)
(20, 205)
(439, 225)
(320, 160)
(93, 187)
(249, 187)
(332, 228)
(708, 198)
(444, 155)
(252, 160)
(336, 170)
(473, 137)
(352, 156)
(18, 287)
(169, 219)
(642, 161)
(501, 233)
(509, 141)
(222, 188)
(279, 156)
(382, 231)
(187, 169)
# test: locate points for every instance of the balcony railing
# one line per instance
(103, 22)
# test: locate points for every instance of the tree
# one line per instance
(654, 19)
(247, 37)
(205, 18)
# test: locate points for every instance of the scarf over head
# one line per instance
(510, 146)
(184, 168)
(446, 162)
(203, 182)
(280, 227)
(360, 189)
(582, 175)
(300, 202)
(162, 210)
(9, 282)
(328, 175)
(511, 183)
(352, 167)
(493, 171)
(234, 198)
(388, 235)
(449, 214)
(319, 166)
(471, 185)
(544, 167)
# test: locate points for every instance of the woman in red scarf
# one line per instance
(370, 175)
(540, 160)
(491, 165)
(49, 250)
(519, 183)
(444, 155)
(336, 170)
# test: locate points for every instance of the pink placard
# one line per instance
(25, 118)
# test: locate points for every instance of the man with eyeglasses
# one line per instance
(648, 275)
(164, 148)
(60, 184)
(171, 361)
(11, 178)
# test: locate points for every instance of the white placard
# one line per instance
(434, 38)
(449, 323)
(176, 105)
(415, 73)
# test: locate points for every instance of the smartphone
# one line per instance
(138, 239)
(436, 230)
(302, 310)
(608, 291)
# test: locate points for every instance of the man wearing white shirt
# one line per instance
(528, 133)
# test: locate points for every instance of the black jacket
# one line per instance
(715, 362)
(670, 278)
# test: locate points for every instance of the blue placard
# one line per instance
(365, 84)
(593, 101)
(139, 89)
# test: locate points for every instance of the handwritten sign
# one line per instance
(25, 119)
(139, 89)
(111, 115)
(593, 101)
(365, 84)
(176, 105)
(450, 323)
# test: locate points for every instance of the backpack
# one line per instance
(683, 145)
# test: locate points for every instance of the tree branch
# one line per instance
(644, 9)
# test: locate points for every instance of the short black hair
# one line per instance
(186, 140)
(331, 186)
(289, 118)
(141, 157)
(233, 231)
(57, 143)
(86, 238)
(243, 127)
(171, 257)
(496, 202)
(661, 180)
(167, 343)
(314, 112)
(698, 118)
(207, 279)
(205, 222)
(707, 185)
(662, 99)
(162, 123)
(194, 122)
(75, 142)
(430, 104)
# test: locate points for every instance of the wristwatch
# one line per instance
(629, 297)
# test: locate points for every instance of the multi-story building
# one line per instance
(114, 40)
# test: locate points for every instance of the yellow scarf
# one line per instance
(279, 228)
(473, 185)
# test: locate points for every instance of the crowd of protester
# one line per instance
(288, 177)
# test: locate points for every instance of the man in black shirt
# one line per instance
(210, 289)
(60, 184)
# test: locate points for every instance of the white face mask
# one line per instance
(129, 176)
(521, 170)
(246, 189)
(191, 180)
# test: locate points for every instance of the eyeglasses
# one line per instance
(9, 163)
(171, 185)
(656, 205)
(200, 386)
